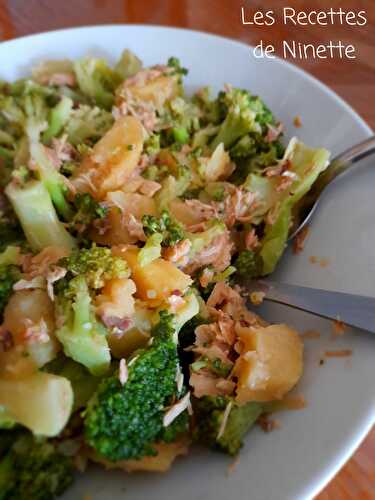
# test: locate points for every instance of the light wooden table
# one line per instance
(354, 80)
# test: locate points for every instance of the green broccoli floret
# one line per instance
(31, 112)
(171, 230)
(96, 264)
(34, 469)
(123, 421)
(33, 206)
(128, 64)
(240, 118)
(87, 124)
(245, 147)
(152, 144)
(83, 337)
(87, 210)
(57, 118)
(180, 135)
(174, 62)
(151, 249)
(97, 80)
(248, 264)
(52, 179)
(242, 114)
(252, 153)
(224, 436)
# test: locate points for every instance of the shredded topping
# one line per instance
(174, 411)
(123, 372)
(224, 420)
(36, 332)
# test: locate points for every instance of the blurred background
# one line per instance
(354, 80)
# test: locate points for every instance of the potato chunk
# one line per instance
(29, 317)
(157, 91)
(42, 402)
(270, 364)
(118, 232)
(113, 159)
(157, 280)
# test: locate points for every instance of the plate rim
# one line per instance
(310, 490)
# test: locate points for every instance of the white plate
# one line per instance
(297, 460)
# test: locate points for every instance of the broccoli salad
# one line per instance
(128, 211)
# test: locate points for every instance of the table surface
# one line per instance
(354, 80)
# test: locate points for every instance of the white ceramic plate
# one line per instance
(297, 460)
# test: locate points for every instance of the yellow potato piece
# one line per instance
(185, 214)
(35, 306)
(113, 159)
(42, 402)
(271, 363)
(157, 91)
(126, 203)
(123, 345)
(157, 280)
(116, 298)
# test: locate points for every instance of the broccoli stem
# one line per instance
(33, 206)
(58, 117)
(52, 180)
(180, 135)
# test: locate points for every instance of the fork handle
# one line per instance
(353, 310)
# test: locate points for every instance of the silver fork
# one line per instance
(338, 166)
(353, 310)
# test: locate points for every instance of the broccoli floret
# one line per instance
(170, 229)
(240, 118)
(252, 154)
(242, 114)
(180, 135)
(33, 206)
(123, 422)
(244, 148)
(87, 210)
(128, 64)
(83, 337)
(152, 144)
(248, 264)
(34, 469)
(151, 249)
(87, 124)
(174, 62)
(97, 80)
(57, 118)
(210, 429)
(52, 179)
(96, 264)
